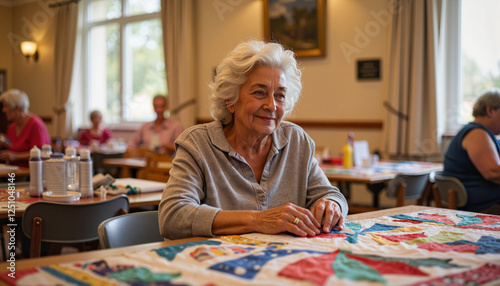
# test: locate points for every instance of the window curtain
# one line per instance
(411, 130)
(66, 28)
(178, 43)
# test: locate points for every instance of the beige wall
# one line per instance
(5, 47)
(30, 20)
(331, 91)
(35, 21)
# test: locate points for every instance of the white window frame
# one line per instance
(450, 68)
(122, 22)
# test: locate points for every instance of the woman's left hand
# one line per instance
(328, 212)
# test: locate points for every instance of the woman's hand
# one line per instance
(288, 218)
(328, 212)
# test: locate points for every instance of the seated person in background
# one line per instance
(249, 171)
(473, 156)
(160, 134)
(27, 130)
(96, 132)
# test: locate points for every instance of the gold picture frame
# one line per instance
(298, 25)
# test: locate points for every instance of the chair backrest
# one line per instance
(444, 185)
(139, 152)
(70, 222)
(160, 161)
(130, 229)
(407, 187)
(157, 167)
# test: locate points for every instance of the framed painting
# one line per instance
(297, 24)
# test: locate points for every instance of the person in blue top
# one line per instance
(473, 156)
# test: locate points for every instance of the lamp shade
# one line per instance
(28, 48)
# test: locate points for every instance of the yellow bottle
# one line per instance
(347, 155)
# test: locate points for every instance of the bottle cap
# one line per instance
(35, 153)
(70, 151)
(85, 154)
(56, 155)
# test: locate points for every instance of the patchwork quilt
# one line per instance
(433, 247)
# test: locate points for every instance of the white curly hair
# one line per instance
(236, 66)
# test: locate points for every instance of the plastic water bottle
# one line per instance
(73, 180)
(45, 155)
(86, 171)
(56, 174)
(36, 187)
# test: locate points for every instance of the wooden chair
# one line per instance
(157, 167)
(449, 192)
(68, 223)
(137, 153)
(409, 187)
(116, 231)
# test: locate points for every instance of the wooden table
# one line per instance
(126, 165)
(20, 173)
(376, 177)
(135, 201)
(34, 262)
(98, 157)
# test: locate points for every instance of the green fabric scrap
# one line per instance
(354, 226)
(468, 220)
(351, 269)
(142, 274)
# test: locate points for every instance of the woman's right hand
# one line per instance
(281, 219)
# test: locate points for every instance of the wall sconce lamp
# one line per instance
(29, 49)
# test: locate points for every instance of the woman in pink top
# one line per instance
(96, 132)
(27, 130)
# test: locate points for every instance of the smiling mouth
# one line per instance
(268, 119)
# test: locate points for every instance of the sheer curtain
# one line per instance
(66, 28)
(411, 130)
(178, 42)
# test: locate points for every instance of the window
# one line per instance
(125, 65)
(480, 52)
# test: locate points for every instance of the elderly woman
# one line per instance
(96, 132)
(249, 171)
(160, 134)
(473, 156)
(26, 131)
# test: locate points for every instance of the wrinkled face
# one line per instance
(261, 104)
(159, 105)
